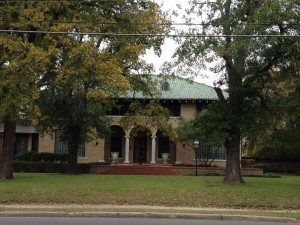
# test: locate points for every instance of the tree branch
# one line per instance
(221, 98)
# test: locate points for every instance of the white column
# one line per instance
(153, 150)
(127, 149)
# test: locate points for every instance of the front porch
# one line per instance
(138, 146)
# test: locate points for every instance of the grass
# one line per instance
(179, 191)
(56, 193)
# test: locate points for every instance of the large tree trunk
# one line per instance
(232, 145)
(233, 106)
(73, 143)
(233, 171)
(7, 151)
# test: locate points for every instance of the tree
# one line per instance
(85, 72)
(275, 130)
(209, 128)
(246, 62)
(18, 91)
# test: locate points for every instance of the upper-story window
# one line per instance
(201, 106)
(120, 109)
(173, 107)
(165, 86)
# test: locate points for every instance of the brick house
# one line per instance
(182, 97)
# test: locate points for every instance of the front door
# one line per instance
(140, 150)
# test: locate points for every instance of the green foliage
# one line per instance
(218, 174)
(274, 134)
(102, 163)
(209, 127)
(39, 167)
(42, 157)
(265, 175)
(92, 71)
(20, 66)
(263, 166)
(46, 167)
(77, 75)
(252, 67)
(151, 116)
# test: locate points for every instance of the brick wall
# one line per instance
(46, 143)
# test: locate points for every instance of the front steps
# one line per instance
(145, 169)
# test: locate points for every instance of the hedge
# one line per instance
(46, 167)
(41, 157)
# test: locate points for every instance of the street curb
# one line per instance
(219, 217)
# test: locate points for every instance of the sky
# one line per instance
(169, 47)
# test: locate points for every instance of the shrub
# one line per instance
(39, 167)
(102, 163)
(46, 167)
(42, 157)
(265, 175)
(217, 174)
(263, 166)
(83, 167)
(184, 165)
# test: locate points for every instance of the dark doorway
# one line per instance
(140, 150)
(35, 143)
(115, 143)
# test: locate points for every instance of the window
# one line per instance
(35, 143)
(201, 106)
(120, 109)
(165, 86)
(173, 107)
(21, 145)
(61, 146)
(220, 153)
(81, 150)
(212, 152)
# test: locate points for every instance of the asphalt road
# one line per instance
(118, 221)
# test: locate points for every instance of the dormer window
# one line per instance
(165, 86)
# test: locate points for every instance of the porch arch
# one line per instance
(165, 145)
(115, 142)
(141, 144)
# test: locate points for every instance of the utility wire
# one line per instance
(146, 35)
(124, 23)
(71, 1)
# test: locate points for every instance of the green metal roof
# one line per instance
(181, 89)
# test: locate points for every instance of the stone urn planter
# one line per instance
(165, 157)
(114, 156)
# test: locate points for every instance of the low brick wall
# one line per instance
(162, 170)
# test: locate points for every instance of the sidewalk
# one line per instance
(148, 212)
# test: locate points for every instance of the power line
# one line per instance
(146, 35)
(126, 23)
(37, 1)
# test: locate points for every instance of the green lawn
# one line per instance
(263, 193)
